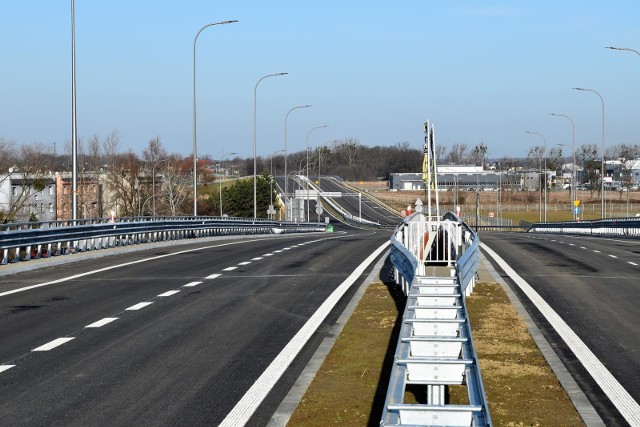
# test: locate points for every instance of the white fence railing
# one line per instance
(435, 349)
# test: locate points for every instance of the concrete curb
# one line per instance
(487, 273)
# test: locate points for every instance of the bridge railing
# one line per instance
(435, 349)
(622, 227)
(26, 241)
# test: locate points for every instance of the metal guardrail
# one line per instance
(621, 227)
(435, 349)
(26, 241)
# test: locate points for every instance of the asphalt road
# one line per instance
(593, 284)
(350, 202)
(170, 336)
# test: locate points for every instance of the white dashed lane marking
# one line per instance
(212, 276)
(138, 306)
(277, 252)
(169, 293)
(192, 284)
(267, 255)
(6, 367)
(613, 256)
(632, 263)
(53, 344)
(596, 251)
(101, 323)
(244, 263)
(230, 268)
(256, 258)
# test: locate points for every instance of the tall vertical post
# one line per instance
(74, 126)
(286, 154)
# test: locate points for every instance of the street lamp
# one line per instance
(545, 170)
(573, 167)
(603, 208)
(286, 181)
(220, 183)
(74, 126)
(308, 181)
(195, 143)
(623, 48)
(255, 182)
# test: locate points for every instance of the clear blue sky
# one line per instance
(481, 71)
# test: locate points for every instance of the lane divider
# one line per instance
(101, 323)
(139, 306)
(53, 344)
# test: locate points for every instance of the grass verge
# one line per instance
(350, 387)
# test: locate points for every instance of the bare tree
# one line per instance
(479, 154)
(587, 155)
(457, 154)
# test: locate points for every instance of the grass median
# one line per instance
(350, 387)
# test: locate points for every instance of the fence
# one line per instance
(435, 350)
(622, 227)
(26, 241)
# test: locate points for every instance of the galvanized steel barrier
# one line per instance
(26, 241)
(435, 350)
(620, 227)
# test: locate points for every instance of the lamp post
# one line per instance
(545, 170)
(220, 183)
(255, 182)
(603, 208)
(153, 184)
(195, 143)
(573, 167)
(74, 126)
(308, 181)
(286, 179)
(623, 48)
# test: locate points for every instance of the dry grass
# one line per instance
(350, 387)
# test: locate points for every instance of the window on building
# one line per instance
(15, 191)
(52, 190)
(41, 207)
(50, 207)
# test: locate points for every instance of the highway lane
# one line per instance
(219, 313)
(350, 202)
(592, 283)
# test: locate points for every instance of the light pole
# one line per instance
(603, 209)
(308, 181)
(195, 143)
(74, 126)
(286, 180)
(153, 184)
(573, 166)
(544, 153)
(623, 48)
(255, 181)
(220, 183)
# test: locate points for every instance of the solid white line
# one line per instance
(244, 263)
(6, 367)
(169, 293)
(53, 344)
(138, 306)
(212, 276)
(230, 268)
(632, 263)
(192, 284)
(101, 323)
(613, 256)
(622, 400)
(257, 258)
(241, 413)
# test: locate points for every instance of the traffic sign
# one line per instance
(576, 203)
(577, 210)
(319, 209)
